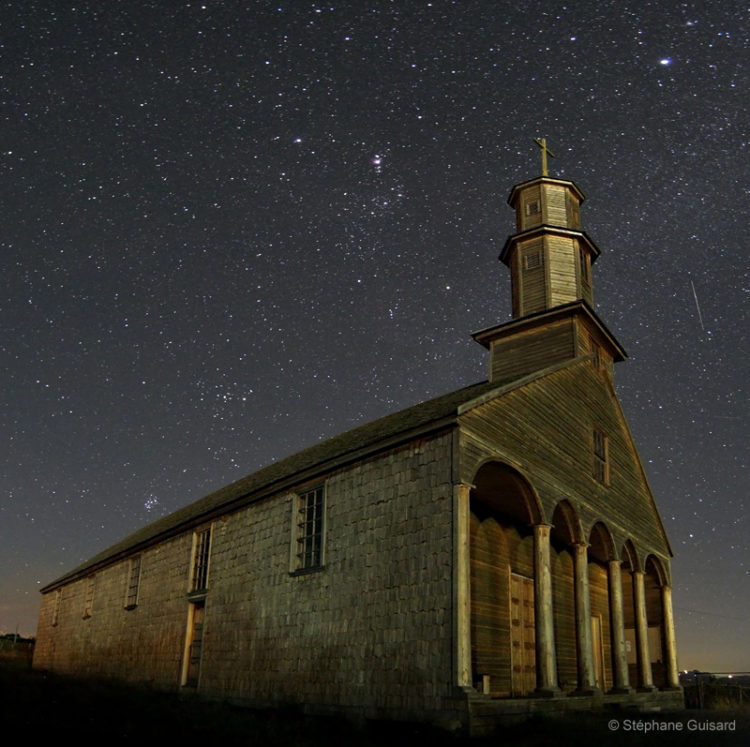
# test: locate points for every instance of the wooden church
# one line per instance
(492, 553)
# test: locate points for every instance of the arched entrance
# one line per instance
(654, 580)
(503, 510)
(628, 568)
(564, 537)
(601, 552)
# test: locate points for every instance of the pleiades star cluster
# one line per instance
(232, 229)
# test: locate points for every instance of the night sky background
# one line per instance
(232, 229)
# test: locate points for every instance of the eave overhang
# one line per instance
(545, 180)
(486, 336)
(545, 230)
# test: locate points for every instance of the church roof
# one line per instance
(312, 462)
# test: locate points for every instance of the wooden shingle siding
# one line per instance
(144, 643)
(269, 636)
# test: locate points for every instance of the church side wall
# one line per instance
(140, 644)
(370, 633)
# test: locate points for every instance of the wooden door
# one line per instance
(522, 635)
(194, 644)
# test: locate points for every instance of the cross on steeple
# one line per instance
(545, 151)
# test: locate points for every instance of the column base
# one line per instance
(467, 690)
(548, 692)
(624, 690)
(647, 689)
(586, 692)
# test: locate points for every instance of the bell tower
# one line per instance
(549, 256)
(550, 259)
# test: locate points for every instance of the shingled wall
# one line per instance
(370, 633)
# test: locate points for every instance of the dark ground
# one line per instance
(39, 705)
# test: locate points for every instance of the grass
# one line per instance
(41, 704)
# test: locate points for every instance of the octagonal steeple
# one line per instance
(549, 256)
(550, 259)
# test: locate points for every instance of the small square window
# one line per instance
(532, 260)
(532, 207)
(308, 529)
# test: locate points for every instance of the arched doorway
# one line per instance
(654, 579)
(601, 552)
(503, 509)
(565, 534)
(628, 568)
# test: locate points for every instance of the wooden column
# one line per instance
(462, 585)
(586, 674)
(621, 682)
(673, 678)
(646, 680)
(546, 658)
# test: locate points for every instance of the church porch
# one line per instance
(528, 595)
(483, 714)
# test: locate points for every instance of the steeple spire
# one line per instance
(545, 152)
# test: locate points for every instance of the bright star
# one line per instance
(665, 61)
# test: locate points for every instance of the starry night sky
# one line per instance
(232, 229)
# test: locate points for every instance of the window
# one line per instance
(532, 207)
(601, 457)
(56, 606)
(308, 526)
(574, 211)
(584, 260)
(201, 550)
(532, 260)
(597, 356)
(89, 603)
(134, 580)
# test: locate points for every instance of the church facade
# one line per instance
(490, 553)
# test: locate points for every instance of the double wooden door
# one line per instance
(522, 635)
